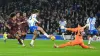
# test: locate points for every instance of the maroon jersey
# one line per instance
(19, 20)
(13, 25)
(23, 24)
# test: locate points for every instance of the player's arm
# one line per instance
(85, 26)
(65, 23)
(7, 25)
(20, 23)
(94, 20)
(59, 23)
(25, 21)
(35, 19)
(87, 22)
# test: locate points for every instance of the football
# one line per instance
(53, 38)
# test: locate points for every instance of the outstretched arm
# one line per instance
(7, 25)
(85, 26)
(36, 20)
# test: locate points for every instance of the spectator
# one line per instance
(52, 10)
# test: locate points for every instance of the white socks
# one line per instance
(22, 41)
(63, 36)
(32, 42)
(89, 42)
(46, 35)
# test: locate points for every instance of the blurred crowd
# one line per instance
(52, 11)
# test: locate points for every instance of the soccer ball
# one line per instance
(53, 38)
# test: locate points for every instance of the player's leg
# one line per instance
(12, 34)
(5, 39)
(71, 43)
(33, 30)
(23, 36)
(34, 37)
(95, 34)
(43, 32)
(90, 37)
(19, 36)
(63, 30)
(85, 46)
(92, 33)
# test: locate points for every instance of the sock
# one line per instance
(46, 35)
(94, 38)
(32, 42)
(63, 36)
(19, 41)
(89, 42)
(23, 37)
(22, 40)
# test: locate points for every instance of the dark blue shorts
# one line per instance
(93, 32)
(33, 28)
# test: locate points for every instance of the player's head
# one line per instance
(13, 15)
(80, 29)
(21, 14)
(24, 14)
(79, 24)
(17, 14)
(91, 15)
(62, 19)
(35, 11)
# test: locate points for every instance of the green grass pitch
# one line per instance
(45, 48)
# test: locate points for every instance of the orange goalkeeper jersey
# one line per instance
(78, 32)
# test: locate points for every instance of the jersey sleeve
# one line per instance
(94, 20)
(34, 17)
(65, 22)
(36, 20)
(87, 21)
(59, 22)
(8, 23)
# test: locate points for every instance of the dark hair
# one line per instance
(12, 15)
(80, 23)
(18, 12)
(35, 11)
(21, 13)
